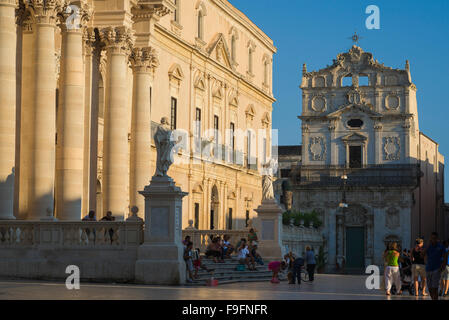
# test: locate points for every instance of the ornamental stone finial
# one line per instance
(407, 65)
(304, 68)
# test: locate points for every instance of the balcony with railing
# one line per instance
(368, 175)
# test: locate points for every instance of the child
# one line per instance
(188, 260)
(276, 266)
(197, 263)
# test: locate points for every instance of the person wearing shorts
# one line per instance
(419, 266)
(434, 253)
(445, 275)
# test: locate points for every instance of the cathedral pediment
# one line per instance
(354, 137)
(218, 50)
(355, 109)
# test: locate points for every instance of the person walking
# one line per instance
(311, 263)
(392, 274)
(434, 254)
(419, 266)
(445, 275)
(298, 263)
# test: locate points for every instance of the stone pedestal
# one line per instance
(269, 226)
(160, 257)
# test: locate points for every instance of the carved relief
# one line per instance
(392, 148)
(317, 149)
(392, 219)
(355, 96)
(356, 216)
(392, 101)
(319, 103)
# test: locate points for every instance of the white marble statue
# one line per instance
(164, 147)
(267, 187)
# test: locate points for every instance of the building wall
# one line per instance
(219, 87)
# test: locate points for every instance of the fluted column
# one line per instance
(42, 126)
(26, 107)
(7, 106)
(70, 118)
(143, 61)
(92, 55)
(118, 43)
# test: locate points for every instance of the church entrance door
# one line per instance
(355, 248)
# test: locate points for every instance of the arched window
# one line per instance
(265, 72)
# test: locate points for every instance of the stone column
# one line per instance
(70, 120)
(41, 129)
(339, 239)
(118, 43)
(269, 224)
(143, 61)
(160, 258)
(7, 106)
(26, 116)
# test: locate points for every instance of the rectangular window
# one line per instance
(151, 98)
(174, 107)
(347, 81)
(198, 129)
(216, 128)
(355, 156)
(197, 215)
(229, 226)
(247, 219)
(175, 12)
(232, 142)
(248, 149)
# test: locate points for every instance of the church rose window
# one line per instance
(355, 123)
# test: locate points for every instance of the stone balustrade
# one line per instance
(71, 235)
(296, 239)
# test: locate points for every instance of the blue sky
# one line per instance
(314, 32)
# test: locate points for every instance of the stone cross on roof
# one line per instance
(355, 38)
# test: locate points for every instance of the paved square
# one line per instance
(325, 287)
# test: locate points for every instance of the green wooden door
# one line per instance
(355, 248)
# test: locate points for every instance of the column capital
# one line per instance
(23, 18)
(92, 43)
(118, 40)
(44, 11)
(74, 17)
(144, 59)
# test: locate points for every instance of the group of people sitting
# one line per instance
(220, 248)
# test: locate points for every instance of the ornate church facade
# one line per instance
(83, 85)
(366, 168)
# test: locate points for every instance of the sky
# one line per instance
(314, 32)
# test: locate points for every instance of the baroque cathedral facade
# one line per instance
(366, 168)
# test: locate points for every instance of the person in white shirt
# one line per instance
(243, 256)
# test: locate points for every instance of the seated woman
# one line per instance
(228, 248)
(215, 251)
(244, 256)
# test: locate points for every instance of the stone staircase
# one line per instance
(226, 272)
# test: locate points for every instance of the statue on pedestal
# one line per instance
(267, 180)
(164, 146)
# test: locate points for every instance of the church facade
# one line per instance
(93, 81)
(366, 168)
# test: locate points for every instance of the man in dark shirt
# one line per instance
(434, 253)
(298, 263)
(419, 266)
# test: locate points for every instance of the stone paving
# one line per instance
(326, 287)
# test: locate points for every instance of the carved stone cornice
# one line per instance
(144, 59)
(44, 11)
(145, 10)
(117, 40)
